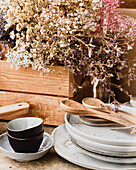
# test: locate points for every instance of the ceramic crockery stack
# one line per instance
(105, 143)
(25, 139)
(105, 136)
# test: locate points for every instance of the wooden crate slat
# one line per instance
(129, 12)
(59, 82)
(43, 106)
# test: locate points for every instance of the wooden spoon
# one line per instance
(79, 109)
(96, 104)
(14, 110)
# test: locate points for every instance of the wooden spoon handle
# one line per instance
(17, 109)
(111, 117)
(121, 114)
(96, 113)
(97, 103)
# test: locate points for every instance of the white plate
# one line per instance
(25, 157)
(66, 149)
(94, 146)
(104, 135)
(113, 159)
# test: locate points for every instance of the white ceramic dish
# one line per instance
(100, 147)
(113, 159)
(66, 149)
(25, 157)
(104, 135)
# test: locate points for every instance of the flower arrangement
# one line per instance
(87, 36)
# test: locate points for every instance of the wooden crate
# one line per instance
(59, 82)
(42, 92)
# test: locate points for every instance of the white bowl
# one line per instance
(5, 147)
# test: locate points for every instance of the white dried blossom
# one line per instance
(81, 4)
(96, 1)
(12, 35)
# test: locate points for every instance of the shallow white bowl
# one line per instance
(5, 147)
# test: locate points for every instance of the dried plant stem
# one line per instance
(120, 88)
(96, 81)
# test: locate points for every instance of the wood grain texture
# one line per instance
(59, 82)
(43, 106)
(129, 12)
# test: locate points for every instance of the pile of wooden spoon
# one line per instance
(106, 112)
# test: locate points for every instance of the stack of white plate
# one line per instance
(103, 143)
(94, 147)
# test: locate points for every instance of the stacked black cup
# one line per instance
(25, 134)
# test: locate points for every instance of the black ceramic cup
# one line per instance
(26, 145)
(26, 127)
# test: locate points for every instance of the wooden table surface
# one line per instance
(51, 161)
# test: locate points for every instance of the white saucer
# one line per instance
(66, 149)
(25, 157)
(113, 159)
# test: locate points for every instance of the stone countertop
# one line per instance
(51, 161)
